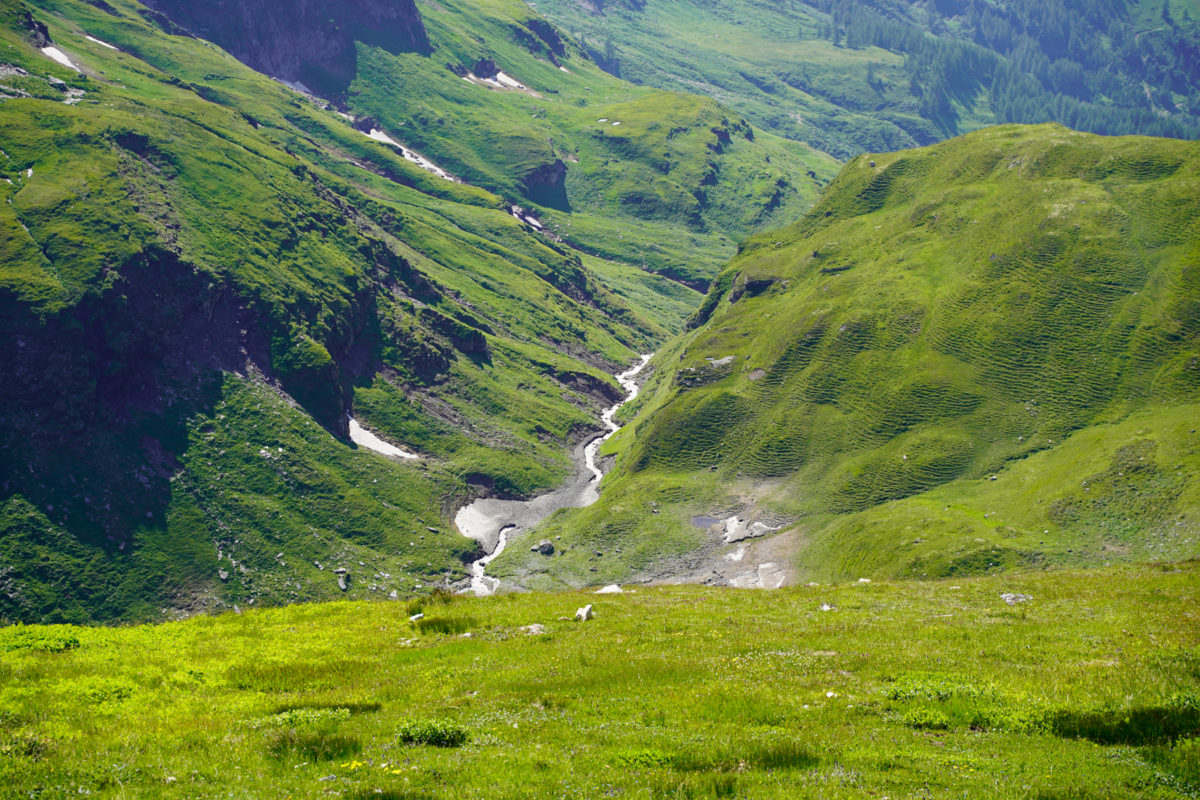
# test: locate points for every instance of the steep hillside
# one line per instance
(495, 95)
(199, 266)
(855, 75)
(203, 272)
(981, 354)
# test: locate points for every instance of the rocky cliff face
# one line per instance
(309, 41)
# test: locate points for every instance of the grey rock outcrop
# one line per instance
(307, 41)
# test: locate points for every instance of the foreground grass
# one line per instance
(1089, 689)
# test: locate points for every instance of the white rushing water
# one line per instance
(493, 522)
(483, 584)
(626, 379)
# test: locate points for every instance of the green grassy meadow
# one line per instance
(1089, 689)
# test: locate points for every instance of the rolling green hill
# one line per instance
(203, 271)
(868, 75)
(973, 356)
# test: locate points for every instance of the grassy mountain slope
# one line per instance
(664, 180)
(867, 75)
(1089, 689)
(203, 271)
(183, 234)
(981, 354)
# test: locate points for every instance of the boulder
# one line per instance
(545, 547)
(612, 588)
(584, 614)
(1013, 598)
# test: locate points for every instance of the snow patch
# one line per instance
(500, 81)
(509, 81)
(521, 215)
(60, 57)
(380, 136)
(102, 43)
(297, 86)
(364, 438)
(411, 155)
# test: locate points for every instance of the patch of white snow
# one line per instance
(380, 136)
(412, 155)
(364, 438)
(297, 86)
(509, 81)
(60, 57)
(103, 43)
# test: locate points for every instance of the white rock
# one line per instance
(416, 618)
(584, 614)
(612, 588)
(536, 629)
(1013, 598)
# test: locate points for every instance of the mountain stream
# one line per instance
(493, 522)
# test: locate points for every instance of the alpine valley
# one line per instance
(348, 347)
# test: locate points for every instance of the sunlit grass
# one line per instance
(939, 689)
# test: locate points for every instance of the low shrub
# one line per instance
(38, 639)
(435, 733)
(926, 719)
(446, 625)
(645, 758)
